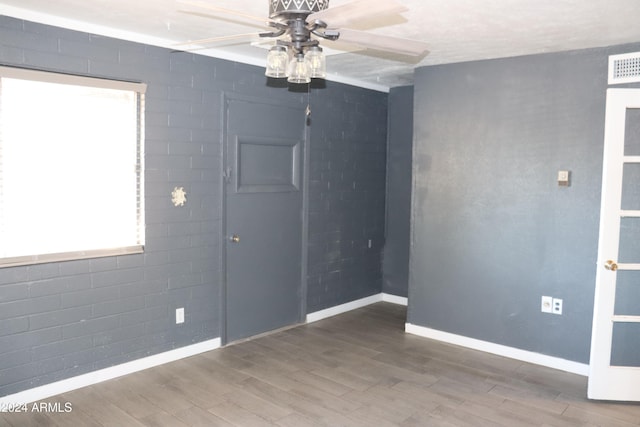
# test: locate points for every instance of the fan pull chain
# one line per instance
(308, 110)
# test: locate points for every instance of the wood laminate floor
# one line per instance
(355, 369)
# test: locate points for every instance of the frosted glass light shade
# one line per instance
(299, 70)
(277, 62)
(317, 63)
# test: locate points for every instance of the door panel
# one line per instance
(628, 294)
(629, 246)
(267, 165)
(624, 347)
(632, 132)
(264, 212)
(630, 188)
(615, 343)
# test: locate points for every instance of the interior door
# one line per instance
(263, 216)
(615, 345)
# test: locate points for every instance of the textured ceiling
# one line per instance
(455, 30)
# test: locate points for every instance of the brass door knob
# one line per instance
(235, 238)
(611, 265)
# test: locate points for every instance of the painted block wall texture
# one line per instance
(59, 320)
(491, 229)
(395, 264)
(69, 318)
(347, 195)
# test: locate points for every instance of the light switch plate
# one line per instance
(563, 178)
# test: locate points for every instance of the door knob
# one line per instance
(611, 265)
(235, 238)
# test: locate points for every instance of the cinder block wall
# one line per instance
(347, 195)
(59, 320)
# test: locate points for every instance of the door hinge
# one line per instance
(226, 175)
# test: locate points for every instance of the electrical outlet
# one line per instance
(557, 306)
(179, 315)
(546, 305)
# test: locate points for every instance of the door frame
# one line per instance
(601, 374)
(226, 97)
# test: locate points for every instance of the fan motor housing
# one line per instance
(287, 8)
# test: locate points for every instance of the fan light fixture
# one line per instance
(277, 62)
(317, 62)
(298, 25)
(300, 58)
(299, 70)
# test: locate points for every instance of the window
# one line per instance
(70, 167)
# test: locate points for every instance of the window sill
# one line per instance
(69, 256)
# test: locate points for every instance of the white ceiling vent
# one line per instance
(624, 68)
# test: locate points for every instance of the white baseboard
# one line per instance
(500, 350)
(394, 299)
(343, 308)
(64, 386)
(354, 305)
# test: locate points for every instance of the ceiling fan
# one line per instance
(299, 25)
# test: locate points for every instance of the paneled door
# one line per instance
(263, 215)
(615, 344)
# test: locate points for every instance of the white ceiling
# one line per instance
(455, 30)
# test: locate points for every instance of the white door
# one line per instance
(615, 343)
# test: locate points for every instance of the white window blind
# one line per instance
(71, 167)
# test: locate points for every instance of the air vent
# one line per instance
(624, 68)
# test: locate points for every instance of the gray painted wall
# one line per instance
(492, 231)
(395, 265)
(347, 195)
(59, 320)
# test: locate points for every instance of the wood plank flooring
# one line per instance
(356, 369)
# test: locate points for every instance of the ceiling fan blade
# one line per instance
(358, 10)
(381, 42)
(198, 44)
(213, 8)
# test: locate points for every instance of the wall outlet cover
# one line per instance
(557, 306)
(179, 315)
